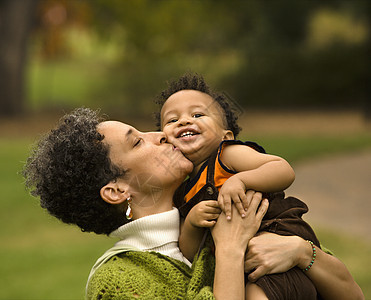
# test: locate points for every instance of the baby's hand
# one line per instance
(233, 190)
(204, 214)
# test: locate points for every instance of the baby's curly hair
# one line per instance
(68, 167)
(193, 81)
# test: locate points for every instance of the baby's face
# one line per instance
(193, 122)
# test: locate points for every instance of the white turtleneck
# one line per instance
(158, 232)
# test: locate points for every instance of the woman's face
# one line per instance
(149, 162)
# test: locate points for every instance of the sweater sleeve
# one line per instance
(201, 282)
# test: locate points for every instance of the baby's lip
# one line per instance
(185, 132)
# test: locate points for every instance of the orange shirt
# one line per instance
(221, 172)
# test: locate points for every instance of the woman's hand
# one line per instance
(231, 238)
(269, 253)
(241, 230)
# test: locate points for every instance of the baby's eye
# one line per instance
(197, 115)
(171, 121)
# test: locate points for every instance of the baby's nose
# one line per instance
(185, 120)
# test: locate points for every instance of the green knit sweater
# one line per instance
(151, 275)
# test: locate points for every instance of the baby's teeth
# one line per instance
(188, 133)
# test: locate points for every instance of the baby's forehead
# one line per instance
(188, 100)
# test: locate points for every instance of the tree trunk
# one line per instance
(15, 23)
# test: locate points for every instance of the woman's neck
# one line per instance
(157, 202)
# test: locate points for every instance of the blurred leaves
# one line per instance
(264, 53)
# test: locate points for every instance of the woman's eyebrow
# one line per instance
(128, 134)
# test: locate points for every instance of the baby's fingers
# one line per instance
(212, 216)
(212, 204)
(213, 211)
(245, 201)
(208, 223)
(226, 206)
(248, 197)
(237, 202)
(220, 202)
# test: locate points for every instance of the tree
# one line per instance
(15, 24)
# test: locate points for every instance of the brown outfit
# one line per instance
(284, 217)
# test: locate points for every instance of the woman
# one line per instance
(109, 178)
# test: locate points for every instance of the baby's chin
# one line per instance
(190, 152)
(176, 144)
(185, 151)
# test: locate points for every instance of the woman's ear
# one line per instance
(113, 192)
(228, 135)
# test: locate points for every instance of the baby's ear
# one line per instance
(228, 135)
(114, 192)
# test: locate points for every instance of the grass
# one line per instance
(45, 259)
(41, 258)
(353, 252)
(299, 148)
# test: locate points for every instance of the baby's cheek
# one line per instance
(174, 141)
(169, 136)
(167, 131)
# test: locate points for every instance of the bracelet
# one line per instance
(313, 256)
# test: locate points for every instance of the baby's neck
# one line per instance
(195, 170)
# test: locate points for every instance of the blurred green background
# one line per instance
(283, 62)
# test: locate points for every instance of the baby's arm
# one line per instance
(202, 215)
(256, 171)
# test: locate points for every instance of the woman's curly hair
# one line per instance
(68, 167)
(193, 81)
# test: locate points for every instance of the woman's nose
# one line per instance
(157, 137)
(163, 139)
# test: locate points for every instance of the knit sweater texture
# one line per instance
(146, 264)
(151, 275)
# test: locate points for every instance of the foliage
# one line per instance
(259, 51)
(264, 53)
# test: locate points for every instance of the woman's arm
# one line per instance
(270, 253)
(231, 238)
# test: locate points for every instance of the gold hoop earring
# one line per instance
(129, 213)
